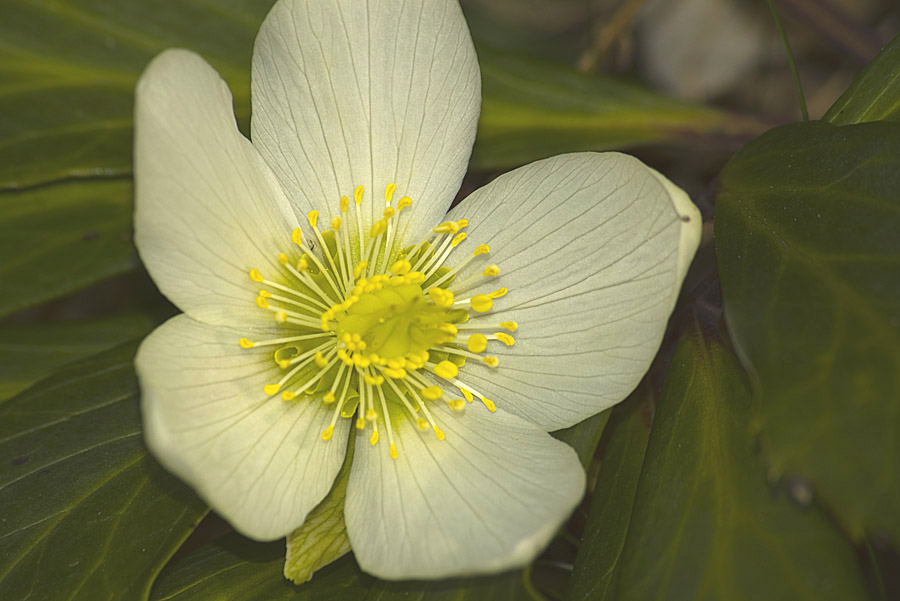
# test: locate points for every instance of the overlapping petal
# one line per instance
(207, 209)
(487, 498)
(259, 461)
(371, 92)
(593, 249)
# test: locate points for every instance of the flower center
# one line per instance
(374, 330)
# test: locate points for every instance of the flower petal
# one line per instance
(207, 209)
(257, 460)
(487, 498)
(593, 249)
(367, 92)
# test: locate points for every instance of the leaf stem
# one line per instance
(790, 57)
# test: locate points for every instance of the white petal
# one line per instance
(487, 498)
(257, 460)
(207, 209)
(367, 92)
(593, 249)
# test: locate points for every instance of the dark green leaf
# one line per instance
(30, 351)
(67, 96)
(875, 94)
(706, 525)
(236, 568)
(86, 513)
(58, 239)
(532, 110)
(585, 436)
(607, 525)
(808, 239)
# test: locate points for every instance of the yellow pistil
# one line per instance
(374, 328)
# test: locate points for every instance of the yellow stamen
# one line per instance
(326, 435)
(313, 217)
(446, 370)
(255, 275)
(245, 343)
(481, 303)
(476, 343)
(271, 389)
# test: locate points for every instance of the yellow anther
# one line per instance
(462, 223)
(361, 361)
(438, 433)
(360, 423)
(491, 271)
(509, 325)
(284, 364)
(448, 227)
(320, 360)
(261, 302)
(389, 192)
(297, 236)
(359, 269)
(336, 224)
(404, 202)
(457, 405)
(401, 267)
(313, 217)
(272, 389)
(441, 297)
(389, 212)
(489, 404)
(329, 398)
(393, 451)
(395, 373)
(281, 317)
(482, 250)
(326, 435)
(432, 393)
(505, 338)
(246, 343)
(476, 343)
(467, 394)
(481, 303)
(446, 370)
(458, 238)
(303, 264)
(358, 194)
(345, 204)
(491, 361)
(498, 293)
(255, 275)
(415, 277)
(287, 395)
(378, 228)
(448, 328)
(265, 294)
(283, 259)
(421, 424)
(374, 380)
(371, 415)
(373, 440)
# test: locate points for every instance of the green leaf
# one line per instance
(61, 238)
(532, 110)
(875, 94)
(595, 573)
(323, 536)
(585, 436)
(30, 351)
(87, 513)
(706, 525)
(236, 568)
(67, 96)
(808, 240)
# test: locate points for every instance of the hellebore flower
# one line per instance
(327, 294)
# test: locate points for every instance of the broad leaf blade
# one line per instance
(585, 436)
(31, 351)
(706, 525)
(236, 568)
(808, 239)
(875, 94)
(87, 514)
(57, 239)
(596, 567)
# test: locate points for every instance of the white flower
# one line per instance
(562, 275)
